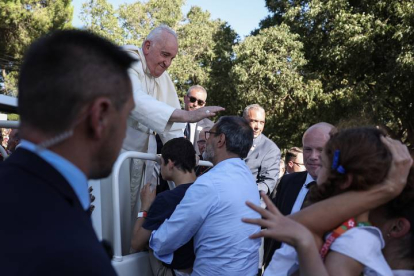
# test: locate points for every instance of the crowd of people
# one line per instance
(342, 204)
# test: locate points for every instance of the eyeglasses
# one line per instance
(298, 164)
(207, 133)
(199, 102)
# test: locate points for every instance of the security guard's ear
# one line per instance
(100, 117)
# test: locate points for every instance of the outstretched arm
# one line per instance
(337, 209)
(353, 203)
(291, 232)
(194, 116)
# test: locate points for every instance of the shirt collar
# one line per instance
(73, 175)
(308, 180)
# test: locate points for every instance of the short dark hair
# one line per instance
(239, 134)
(64, 71)
(181, 152)
(292, 153)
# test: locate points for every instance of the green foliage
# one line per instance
(13, 117)
(198, 35)
(268, 71)
(22, 22)
(362, 53)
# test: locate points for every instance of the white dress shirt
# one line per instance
(284, 260)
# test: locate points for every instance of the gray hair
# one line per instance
(252, 106)
(196, 87)
(156, 33)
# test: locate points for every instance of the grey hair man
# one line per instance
(294, 160)
(264, 156)
(74, 101)
(158, 109)
(213, 206)
(292, 191)
(194, 99)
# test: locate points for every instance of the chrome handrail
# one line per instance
(115, 194)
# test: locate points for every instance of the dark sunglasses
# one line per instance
(199, 102)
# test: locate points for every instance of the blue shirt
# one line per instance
(73, 175)
(211, 212)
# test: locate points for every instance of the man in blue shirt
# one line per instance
(178, 161)
(74, 99)
(212, 208)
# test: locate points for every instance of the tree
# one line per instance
(22, 22)
(363, 54)
(268, 71)
(199, 46)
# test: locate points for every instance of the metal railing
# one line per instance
(117, 243)
(9, 124)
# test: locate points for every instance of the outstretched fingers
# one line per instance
(269, 204)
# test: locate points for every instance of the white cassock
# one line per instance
(155, 101)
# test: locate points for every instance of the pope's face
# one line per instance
(160, 53)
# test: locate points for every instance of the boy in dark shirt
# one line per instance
(177, 164)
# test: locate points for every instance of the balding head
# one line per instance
(314, 140)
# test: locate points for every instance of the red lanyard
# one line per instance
(349, 224)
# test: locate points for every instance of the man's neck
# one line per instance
(227, 155)
(184, 178)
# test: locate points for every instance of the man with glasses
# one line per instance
(294, 160)
(195, 99)
(212, 208)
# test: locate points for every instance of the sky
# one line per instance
(242, 15)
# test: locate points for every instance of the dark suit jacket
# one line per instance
(44, 229)
(287, 192)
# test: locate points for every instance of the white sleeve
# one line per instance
(148, 110)
(363, 244)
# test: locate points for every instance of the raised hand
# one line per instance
(276, 225)
(400, 166)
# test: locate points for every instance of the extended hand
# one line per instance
(400, 165)
(204, 112)
(276, 225)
